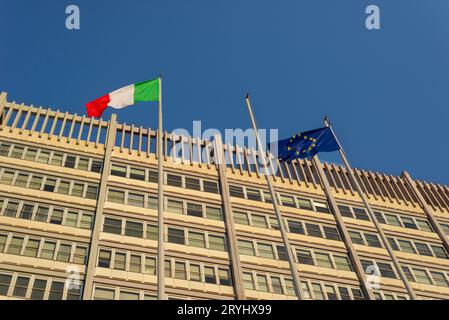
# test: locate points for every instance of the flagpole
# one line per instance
(372, 215)
(160, 247)
(291, 261)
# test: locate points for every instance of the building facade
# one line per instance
(79, 220)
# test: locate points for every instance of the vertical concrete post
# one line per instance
(98, 219)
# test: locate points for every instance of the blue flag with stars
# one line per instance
(307, 144)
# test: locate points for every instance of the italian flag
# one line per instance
(124, 97)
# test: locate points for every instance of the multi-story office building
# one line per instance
(78, 199)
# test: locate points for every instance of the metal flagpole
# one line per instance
(292, 263)
(373, 216)
(160, 247)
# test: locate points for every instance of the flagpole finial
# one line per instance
(247, 95)
(160, 75)
(325, 118)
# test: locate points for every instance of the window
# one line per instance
(282, 253)
(91, 192)
(262, 283)
(7, 177)
(136, 200)
(83, 164)
(180, 270)
(86, 221)
(317, 291)
(70, 162)
(331, 233)
(48, 250)
(210, 186)
(31, 248)
(150, 265)
(422, 276)
(4, 149)
(21, 180)
(197, 239)
(20, 289)
(439, 279)
(153, 176)
(137, 174)
(5, 281)
(248, 281)
(195, 210)
(134, 229)
(406, 246)
(49, 185)
(305, 290)
(288, 201)
(217, 243)
(393, 220)
(253, 194)
(11, 209)
(167, 267)
(305, 257)
(64, 253)
(305, 204)
(112, 226)
(38, 291)
(118, 171)
(274, 224)
(56, 216)
(56, 291)
(424, 225)
(331, 293)
(56, 160)
(246, 248)
(296, 227)
(379, 217)
(74, 293)
(236, 191)
(209, 275)
(96, 166)
(344, 293)
(290, 289)
(356, 238)
(42, 214)
(174, 180)
(195, 272)
(80, 255)
(15, 246)
(3, 239)
(386, 270)
(174, 206)
(265, 250)
(372, 240)
(104, 259)
(224, 277)
(116, 196)
(214, 213)
(64, 187)
(135, 263)
(27, 211)
(36, 183)
(267, 197)
(77, 190)
(345, 211)
(193, 184)
(152, 233)
(71, 219)
(342, 263)
(393, 244)
(241, 218)
(360, 214)
(408, 273)
(323, 260)
(120, 261)
(313, 230)
(409, 223)
(104, 294)
(259, 221)
(17, 152)
(152, 203)
(439, 252)
(423, 249)
(176, 236)
(321, 207)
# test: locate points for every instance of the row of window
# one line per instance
(47, 183)
(46, 156)
(390, 218)
(43, 248)
(115, 293)
(174, 268)
(149, 175)
(35, 287)
(45, 213)
(184, 236)
(399, 244)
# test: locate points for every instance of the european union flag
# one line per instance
(307, 144)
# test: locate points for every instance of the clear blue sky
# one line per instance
(386, 91)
